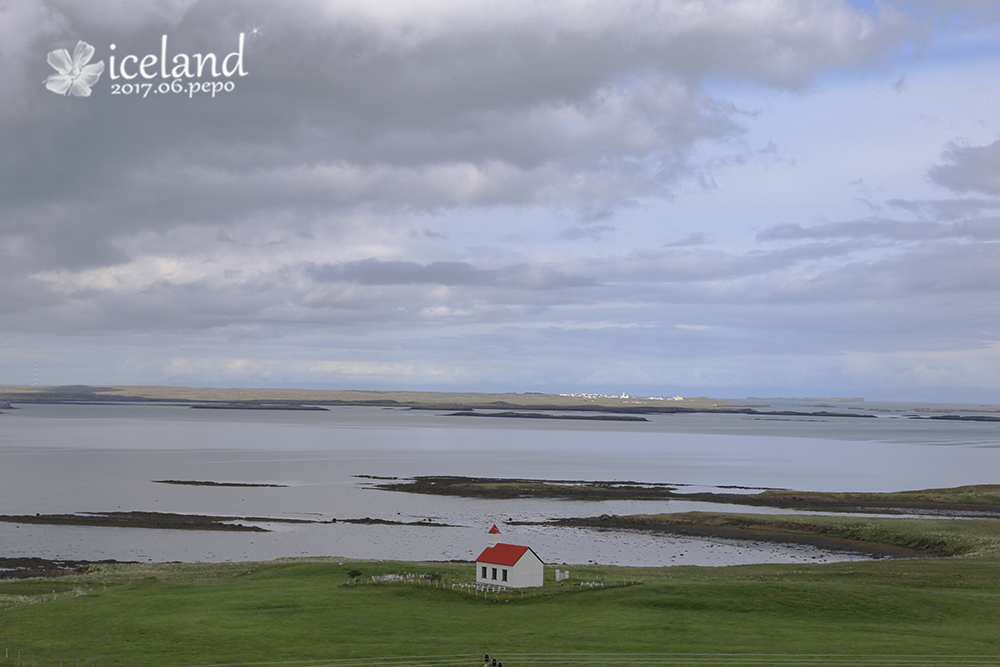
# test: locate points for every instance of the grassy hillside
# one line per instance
(306, 611)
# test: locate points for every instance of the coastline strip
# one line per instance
(170, 521)
(542, 415)
(973, 500)
(189, 482)
(892, 538)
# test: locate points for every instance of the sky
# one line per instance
(683, 197)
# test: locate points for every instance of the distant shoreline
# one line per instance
(539, 415)
(258, 406)
(311, 400)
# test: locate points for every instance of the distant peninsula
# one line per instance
(853, 399)
(185, 482)
(173, 521)
(257, 406)
(540, 415)
(292, 399)
(318, 399)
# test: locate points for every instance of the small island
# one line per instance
(172, 521)
(185, 482)
(542, 415)
(253, 405)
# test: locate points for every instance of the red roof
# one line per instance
(502, 554)
(494, 530)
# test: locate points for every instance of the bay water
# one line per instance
(98, 458)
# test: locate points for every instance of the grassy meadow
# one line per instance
(935, 610)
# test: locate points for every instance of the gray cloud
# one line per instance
(592, 232)
(410, 180)
(889, 229)
(697, 238)
(894, 230)
(946, 209)
(378, 272)
(970, 169)
(409, 109)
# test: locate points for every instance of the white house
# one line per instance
(508, 565)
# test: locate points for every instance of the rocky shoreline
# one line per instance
(30, 568)
(170, 521)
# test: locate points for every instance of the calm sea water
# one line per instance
(79, 458)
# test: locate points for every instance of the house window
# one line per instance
(505, 574)
(484, 571)
(494, 573)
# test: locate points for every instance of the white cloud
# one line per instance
(362, 368)
(977, 367)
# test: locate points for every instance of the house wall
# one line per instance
(489, 578)
(528, 571)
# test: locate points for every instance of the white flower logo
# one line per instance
(75, 75)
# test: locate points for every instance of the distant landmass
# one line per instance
(321, 399)
(539, 415)
(298, 399)
(853, 399)
(257, 405)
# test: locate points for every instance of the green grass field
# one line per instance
(946, 611)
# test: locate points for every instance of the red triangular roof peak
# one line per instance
(494, 530)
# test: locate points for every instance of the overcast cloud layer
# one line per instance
(796, 197)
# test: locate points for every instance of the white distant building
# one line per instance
(508, 565)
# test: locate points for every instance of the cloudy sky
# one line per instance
(703, 197)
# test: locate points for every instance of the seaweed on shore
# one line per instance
(846, 535)
(980, 499)
(490, 487)
(29, 567)
(136, 520)
(171, 521)
(962, 418)
(368, 521)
